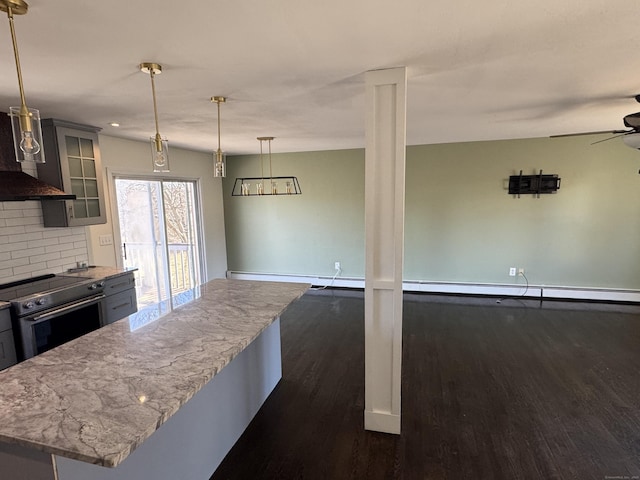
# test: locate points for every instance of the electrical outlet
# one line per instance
(521, 271)
(337, 266)
(512, 271)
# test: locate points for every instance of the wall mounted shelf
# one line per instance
(533, 184)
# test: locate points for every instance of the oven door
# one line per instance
(51, 328)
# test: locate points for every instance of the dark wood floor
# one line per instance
(516, 390)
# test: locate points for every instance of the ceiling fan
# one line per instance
(631, 137)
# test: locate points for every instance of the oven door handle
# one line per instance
(68, 308)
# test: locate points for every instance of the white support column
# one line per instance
(384, 234)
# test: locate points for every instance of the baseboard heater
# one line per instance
(547, 292)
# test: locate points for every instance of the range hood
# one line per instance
(15, 185)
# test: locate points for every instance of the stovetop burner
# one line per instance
(37, 286)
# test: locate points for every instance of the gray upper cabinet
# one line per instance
(72, 164)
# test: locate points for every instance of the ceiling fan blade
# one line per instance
(622, 134)
(589, 133)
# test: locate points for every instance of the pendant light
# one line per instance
(274, 185)
(159, 145)
(219, 167)
(25, 121)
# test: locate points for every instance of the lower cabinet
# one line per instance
(7, 345)
(120, 298)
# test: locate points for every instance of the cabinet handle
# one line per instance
(71, 210)
(120, 306)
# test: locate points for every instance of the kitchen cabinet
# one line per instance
(7, 346)
(120, 298)
(72, 164)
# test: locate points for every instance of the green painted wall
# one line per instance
(461, 224)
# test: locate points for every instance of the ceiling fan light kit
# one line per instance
(630, 137)
(632, 140)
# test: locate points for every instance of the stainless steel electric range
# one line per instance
(50, 310)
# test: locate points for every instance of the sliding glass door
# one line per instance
(160, 237)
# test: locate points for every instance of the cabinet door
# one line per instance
(119, 306)
(7, 346)
(82, 176)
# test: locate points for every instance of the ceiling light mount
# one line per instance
(219, 167)
(17, 7)
(25, 121)
(159, 145)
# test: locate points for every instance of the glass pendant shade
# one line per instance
(219, 164)
(219, 158)
(160, 154)
(27, 134)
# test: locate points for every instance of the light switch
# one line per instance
(105, 240)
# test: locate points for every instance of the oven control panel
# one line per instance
(36, 302)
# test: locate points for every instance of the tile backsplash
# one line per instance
(28, 249)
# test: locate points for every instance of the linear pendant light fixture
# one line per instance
(219, 167)
(25, 121)
(159, 145)
(275, 185)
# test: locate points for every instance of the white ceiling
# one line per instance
(294, 69)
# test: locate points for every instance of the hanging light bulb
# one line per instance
(25, 121)
(159, 145)
(219, 167)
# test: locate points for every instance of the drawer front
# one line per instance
(5, 319)
(7, 350)
(119, 284)
(120, 305)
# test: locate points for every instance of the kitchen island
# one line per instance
(165, 401)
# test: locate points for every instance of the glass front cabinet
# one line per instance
(72, 163)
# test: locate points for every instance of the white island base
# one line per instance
(191, 444)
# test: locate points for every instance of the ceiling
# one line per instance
(294, 69)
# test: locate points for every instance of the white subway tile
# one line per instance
(11, 213)
(5, 273)
(25, 237)
(13, 230)
(57, 232)
(30, 204)
(73, 253)
(44, 258)
(59, 247)
(12, 222)
(27, 252)
(32, 267)
(42, 242)
(15, 263)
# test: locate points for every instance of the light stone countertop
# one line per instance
(97, 398)
(98, 273)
